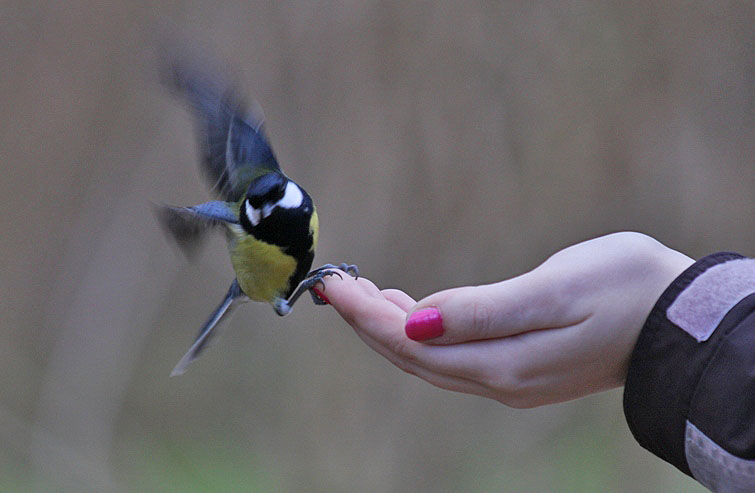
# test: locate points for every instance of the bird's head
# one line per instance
(268, 193)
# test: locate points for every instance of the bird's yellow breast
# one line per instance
(314, 228)
(262, 269)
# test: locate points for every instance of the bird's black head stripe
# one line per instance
(267, 189)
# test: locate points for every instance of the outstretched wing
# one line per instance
(232, 299)
(189, 225)
(232, 140)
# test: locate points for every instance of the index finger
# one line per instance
(361, 303)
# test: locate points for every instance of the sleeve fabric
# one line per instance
(689, 396)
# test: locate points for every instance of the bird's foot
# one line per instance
(283, 307)
(350, 269)
(326, 270)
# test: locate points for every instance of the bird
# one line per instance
(269, 220)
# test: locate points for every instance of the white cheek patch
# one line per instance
(254, 215)
(292, 198)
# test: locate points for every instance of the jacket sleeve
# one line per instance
(689, 396)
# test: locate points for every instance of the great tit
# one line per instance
(270, 221)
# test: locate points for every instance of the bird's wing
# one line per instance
(232, 299)
(189, 225)
(232, 139)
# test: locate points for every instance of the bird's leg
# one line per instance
(283, 307)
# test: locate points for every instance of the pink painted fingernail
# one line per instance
(321, 295)
(424, 324)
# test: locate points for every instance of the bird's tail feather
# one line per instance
(232, 299)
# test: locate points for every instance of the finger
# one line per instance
(379, 321)
(446, 382)
(399, 298)
(359, 301)
(533, 368)
(362, 283)
(525, 370)
(525, 303)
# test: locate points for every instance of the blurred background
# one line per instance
(446, 143)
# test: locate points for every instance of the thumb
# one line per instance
(451, 316)
(471, 313)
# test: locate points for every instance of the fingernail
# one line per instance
(321, 295)
(424, 324)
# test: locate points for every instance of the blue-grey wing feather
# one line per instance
(188, 226)
(215, 210)
(232, 139)
(210, 328)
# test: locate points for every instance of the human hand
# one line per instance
(562, 331)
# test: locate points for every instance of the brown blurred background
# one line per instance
(446, 143)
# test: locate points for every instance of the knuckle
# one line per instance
(481, 315)
(510, 387)
(635, 244)
(517, 402)
(407, 366)
(400, 347)
(505, 384)
(352, 317)
(359, 313)
(488, 379)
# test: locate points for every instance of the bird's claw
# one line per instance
(350, 269)
(316, 277)
(283, 307)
